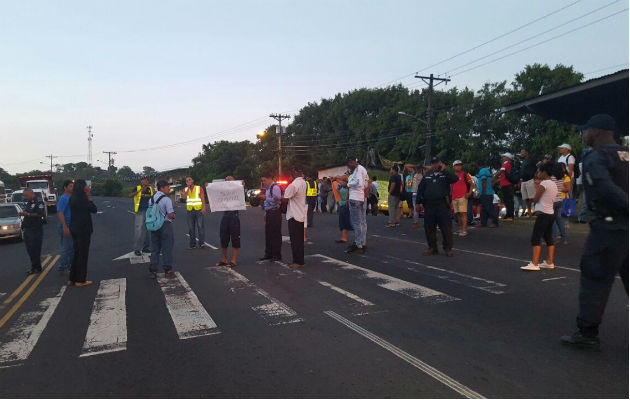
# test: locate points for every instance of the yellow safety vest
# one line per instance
(311, 191)
(138, 196)
(193, 199)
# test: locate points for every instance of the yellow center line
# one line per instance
(28, 293)
(23, 285)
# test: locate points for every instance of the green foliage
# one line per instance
(111, 188)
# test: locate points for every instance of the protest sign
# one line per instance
(226, 196)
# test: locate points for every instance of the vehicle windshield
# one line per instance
(8, 212)
(37, 185)
(17, 198)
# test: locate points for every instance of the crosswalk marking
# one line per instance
(346, 293)
(457, 277)
(410, 289)
(275, 312)
(188, 314)
(108, 323)
(398, 352)
(25, 332)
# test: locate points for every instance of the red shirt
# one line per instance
(503, 180)
(459, 187)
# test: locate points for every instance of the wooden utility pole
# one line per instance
(51, 161)
(110, 164)
(279, 118)
(429, 81)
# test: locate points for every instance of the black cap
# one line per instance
(600, 121)
(435, 160)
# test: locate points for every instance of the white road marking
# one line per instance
(468, 280)
(99, 212)
(286, 266)
(421, 365)
(189, 317)
(473, 252)
(207, 244)
(24, 334)
(131, 212)
(134, 259)
(553, 279)
(346, 293)
(410, 289)
(108, 323)
(275, 312)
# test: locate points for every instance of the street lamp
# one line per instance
(412, 116)
(261, 134)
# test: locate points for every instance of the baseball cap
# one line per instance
(565, 146)
(457, 162)
(508, 155)
(599, 121)
(435, 160)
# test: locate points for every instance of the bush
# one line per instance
(112, 188)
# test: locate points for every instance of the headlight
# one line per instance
(4, 227)
(257, 191)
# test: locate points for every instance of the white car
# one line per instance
(10, 221)
(17, 197)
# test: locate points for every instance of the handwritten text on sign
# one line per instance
(226, 196)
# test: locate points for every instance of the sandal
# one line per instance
(221, 263)
(81, 284)
(169, 273)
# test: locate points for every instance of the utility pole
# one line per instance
(279, 118)
(430, 78)
(110, 163)
(51, 162)
(90, 136)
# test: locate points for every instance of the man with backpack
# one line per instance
(159, 220)
(461, 192)
(507, 187)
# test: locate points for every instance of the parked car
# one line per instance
(10, 221)
(17, 197)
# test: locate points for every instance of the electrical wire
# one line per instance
(606, 68)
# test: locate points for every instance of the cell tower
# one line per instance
(90, 136)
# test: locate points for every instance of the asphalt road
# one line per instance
(390, 323)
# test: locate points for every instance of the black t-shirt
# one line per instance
(397, 181)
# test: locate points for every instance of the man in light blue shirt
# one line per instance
(163, 239)
(486, 195)
(63, 213)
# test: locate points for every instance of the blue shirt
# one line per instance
(271, 203)
(63, 205)
(484, 175)
(165, 206)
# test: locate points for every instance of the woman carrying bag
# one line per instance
(563, 183)
(81, 206)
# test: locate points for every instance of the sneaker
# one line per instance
(204, 246)
(581, 342)
(147, 251)
(531, 267)
(265, 258)
(352, 248)
(462, 234)
(390, 226)
(545, 265)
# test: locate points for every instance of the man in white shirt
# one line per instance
(296, 215)
(567, 158)
(357, 185)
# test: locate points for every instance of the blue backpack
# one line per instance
(154, 218)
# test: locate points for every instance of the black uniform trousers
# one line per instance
(438, 214)
(78, 270)
(508, 200)
(296, 234)
(312, 204)
(605, 255)
(273, 234)
(33, 238)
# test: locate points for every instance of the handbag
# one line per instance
(569, 208)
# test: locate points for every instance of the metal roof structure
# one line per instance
(576, 104)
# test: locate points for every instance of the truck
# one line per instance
(43, 182)
(3, 195)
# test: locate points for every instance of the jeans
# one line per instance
(312, 204)
(487, 210)
(66, 250)
(470, 215)
(520, 204)
(141, 237)
(162, 241)
(394, 214)
(559, 224)
(359, 222)
(331, 202)
(195, 223)
(583, 208)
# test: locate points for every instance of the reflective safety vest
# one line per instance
(193, 199)
(138, 196)
(311, 191)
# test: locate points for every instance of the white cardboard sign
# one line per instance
(226, 196)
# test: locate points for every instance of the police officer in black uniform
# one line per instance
(33, 232)
(434, 193)
(605, 179)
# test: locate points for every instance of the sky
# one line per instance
(147, 74)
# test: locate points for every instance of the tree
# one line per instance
(125, 173)
(112, 188)
(148, 171)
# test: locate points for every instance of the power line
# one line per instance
(542, 42)
(606, 68)
(485, 43)
(532, 37)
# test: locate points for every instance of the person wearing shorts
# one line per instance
(546, 192)
(461, 192)
(528, 171)
(229, 231)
